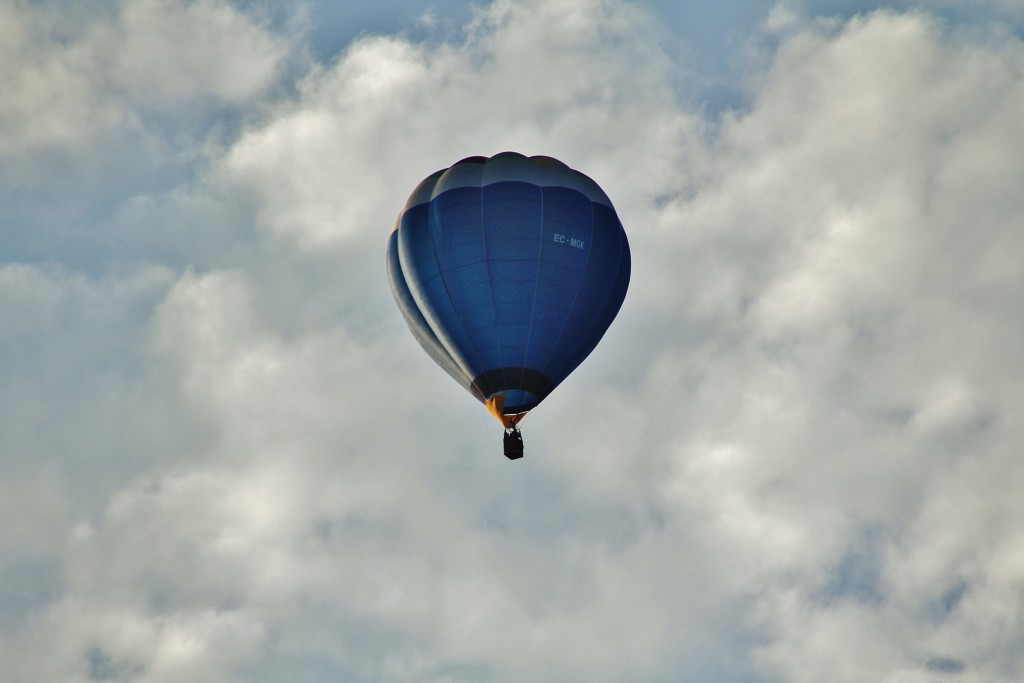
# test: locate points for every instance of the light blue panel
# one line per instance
(418, 325)
(419, 266)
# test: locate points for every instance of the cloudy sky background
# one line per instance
(795, 457)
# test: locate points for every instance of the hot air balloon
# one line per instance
(508, 271)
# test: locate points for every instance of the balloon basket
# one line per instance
(513, 443)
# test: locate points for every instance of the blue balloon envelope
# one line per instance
(508, 270)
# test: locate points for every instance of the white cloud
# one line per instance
(793, 457)
(863, 371)
(112, 105)
(65, 84)
(555, 78)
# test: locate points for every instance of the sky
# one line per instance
(795, 457)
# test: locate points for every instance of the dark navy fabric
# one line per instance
(508, 271)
